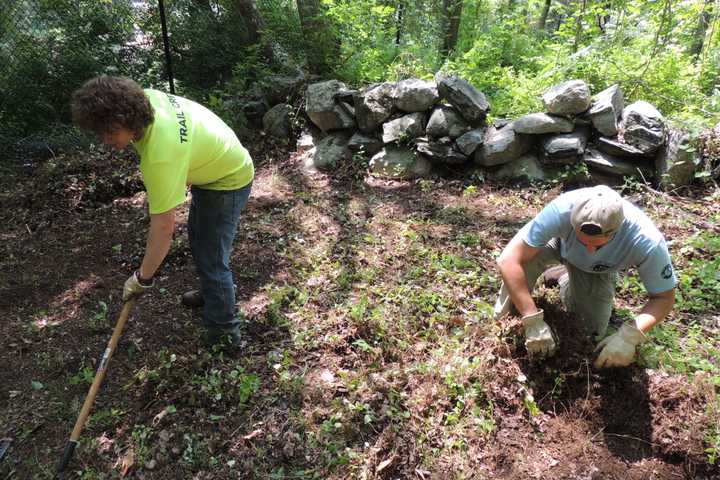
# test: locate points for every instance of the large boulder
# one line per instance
(677, 161)
(470, 141)
(568, 98)
(277, 122)
(406, 127)
(606, 109)
(415, 95)
(469, 101)
(527, 167)
(281, 88)
(441, 151)
(500, 122)
(373, 105)
(502, 146)
(613, 146)
(253, 109)
(368, 143)
(399, 162)
(331, 151)
(446, 122)
(323, 109)
(606, 163)
(538, 123)
(564, 148)
(643, 127)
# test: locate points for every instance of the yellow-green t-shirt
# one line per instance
(187, 144)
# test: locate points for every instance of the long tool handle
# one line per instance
(97, 381)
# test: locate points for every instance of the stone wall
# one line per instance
(408, 127)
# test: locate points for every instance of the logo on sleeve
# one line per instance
(667, 272)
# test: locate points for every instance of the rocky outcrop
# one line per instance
(374, 105)
(539, 123)
(466, 99)
(568, 98)
(440, 151)
(612, 140)
(414, 95)
(643, 127)
(564, 148)
(324, 110)
(606, 110)
(398, 162)
(676, 162)
(446, 122)
(404, 128)
(502, 146)
(277, 122)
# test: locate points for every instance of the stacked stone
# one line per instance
(407, 127)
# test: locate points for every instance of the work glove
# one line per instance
(539, 339)
(133, 288)
(618, 350)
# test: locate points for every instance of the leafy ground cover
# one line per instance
(370, 349)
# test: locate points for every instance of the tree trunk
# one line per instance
(452, 10)
(544, 15)
(578, 26)
(252, 20)
(603, 17)
(399, 22)
(701, 28)
(317, 37)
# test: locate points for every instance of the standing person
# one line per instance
(593, 234)
(180, 143)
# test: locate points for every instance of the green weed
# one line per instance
(84, 375)
(141, 442)
(195, 452)
(98, 321)
(105, 419)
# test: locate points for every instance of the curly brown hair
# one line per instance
(105, 103)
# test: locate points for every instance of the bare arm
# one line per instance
(655, 310)
(511, 261)
(159, 238)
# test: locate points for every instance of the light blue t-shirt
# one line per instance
(638, 243)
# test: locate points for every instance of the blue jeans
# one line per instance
(212, 223)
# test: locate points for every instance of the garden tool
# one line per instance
(90, 398)
(4, 445)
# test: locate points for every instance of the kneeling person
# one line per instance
(593, 233)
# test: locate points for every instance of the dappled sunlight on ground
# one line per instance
(369, 345)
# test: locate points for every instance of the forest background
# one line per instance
(664, 52)
(371, 351)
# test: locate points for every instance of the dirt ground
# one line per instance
(369, 352)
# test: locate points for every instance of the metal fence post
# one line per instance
(166, 44)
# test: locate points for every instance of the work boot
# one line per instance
(192, 299)
(551, 276)
(219, 340)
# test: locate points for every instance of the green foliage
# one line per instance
(205, 40)
(196, 450)
(48, 49)
(712, 436)
(84, 375)
(99, 320)
(141, 441)
(699, 287)
(234, 386)
(367, 32)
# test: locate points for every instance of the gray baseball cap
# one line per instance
(599, 212)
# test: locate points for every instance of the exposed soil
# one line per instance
(341, 392)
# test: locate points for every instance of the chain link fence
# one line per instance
(49, 48)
